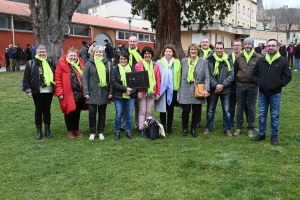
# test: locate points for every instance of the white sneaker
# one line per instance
(92, 137)
(295, 70)
(250, 133)
(101, 136)
(237, 132)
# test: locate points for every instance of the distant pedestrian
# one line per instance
(12, 57)
(290, 49)
(33, 51)
(7, 60)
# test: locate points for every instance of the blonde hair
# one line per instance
(196, 46)
(72, 49)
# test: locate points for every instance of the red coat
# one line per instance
(139, 67)
(63, 85)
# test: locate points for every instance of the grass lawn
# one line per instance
(208, 167)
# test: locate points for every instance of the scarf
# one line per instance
(206, 52)
(268, 58)
(248, 56)
(48, 74)
(190, 77)
(101, 71)
(218, 60)
(123, 77)
(149, 69)
(177, 71)
(135, 54)
(233, 57)
(75, 65)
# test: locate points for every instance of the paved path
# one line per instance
(3, 69)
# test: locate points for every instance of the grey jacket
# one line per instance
(187, 89)
(90, 81)
(224, 77)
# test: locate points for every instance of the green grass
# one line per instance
(208, 167)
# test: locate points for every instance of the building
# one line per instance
(120, 10)
(16, 28)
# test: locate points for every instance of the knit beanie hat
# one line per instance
(248, 40)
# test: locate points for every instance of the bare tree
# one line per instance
(51, 21)
(285, 17)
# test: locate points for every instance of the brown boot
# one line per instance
(77, 133)
(71, 134)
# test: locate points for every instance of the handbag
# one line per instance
(199, 90)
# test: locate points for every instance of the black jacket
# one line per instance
(31, 79)
(288, 50)
(271, 78)
(117, 84)
(109, 51)
(297, 52)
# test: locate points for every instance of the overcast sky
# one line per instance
(280, 3)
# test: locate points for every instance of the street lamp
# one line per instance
(129, 21)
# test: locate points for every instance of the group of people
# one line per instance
(236, 79)
(15, 56)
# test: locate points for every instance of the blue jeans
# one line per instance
(264, 102)
(213, 101)
(297, 61)
(120, 104)
(246, 95)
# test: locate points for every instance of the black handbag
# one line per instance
(152, 132)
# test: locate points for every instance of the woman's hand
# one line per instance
(29, 95)
(87, 96)
(128, 90)
(157, 97)
(61, 97)
(109, 96)
(140, 95)
(206, 93)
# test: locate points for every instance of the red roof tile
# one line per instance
(22, 9)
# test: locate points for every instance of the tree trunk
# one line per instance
(51, 20)
(168, 30)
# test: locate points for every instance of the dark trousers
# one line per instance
(72, 119)
(101, 117)
(170, 110)
(42, 102)
(186, 109)
(291, 59)
(246, 95)
(232, 107)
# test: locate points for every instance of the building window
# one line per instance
(233, 22)
(239, 9)
(222, 39)
(121, 36)
(22, 25)
(216, 17)
(80, 30)
(252, 14)
(248, 12)
(4, 22)
(152, 38)
(243, 10)
(141, 37)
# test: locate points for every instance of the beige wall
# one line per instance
(280, 36)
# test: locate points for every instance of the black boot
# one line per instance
(117, 135)
(129, 136)
(47, 131)
(185, 132)
(194, 133)
(39, 134)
